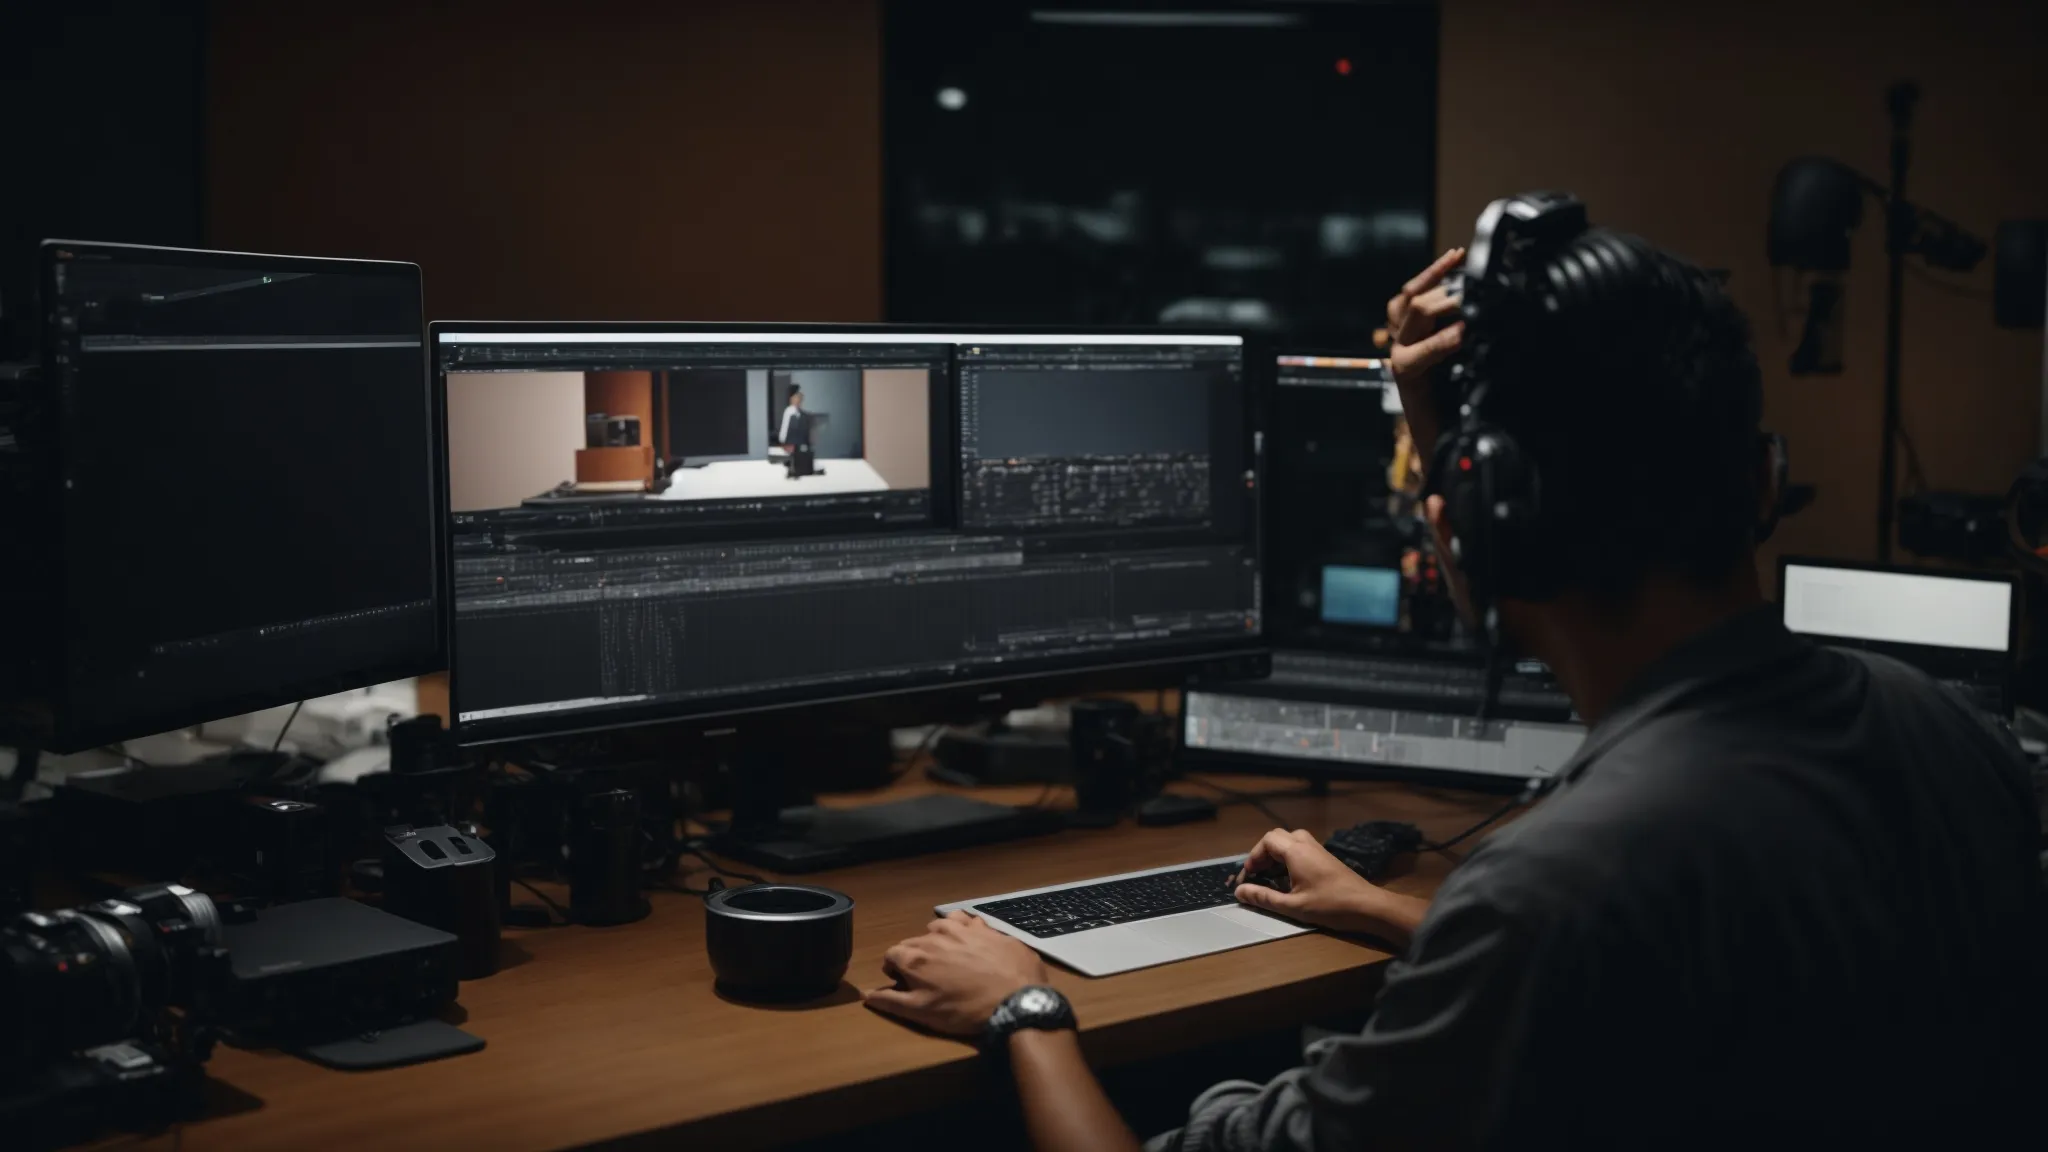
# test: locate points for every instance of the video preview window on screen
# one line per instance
(690, 435)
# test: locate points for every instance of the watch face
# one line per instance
(1037, 1001)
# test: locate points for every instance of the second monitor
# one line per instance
(1350, 565)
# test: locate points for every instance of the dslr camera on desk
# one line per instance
(109, 1011)
(108, 1014)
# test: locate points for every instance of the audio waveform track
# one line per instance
(694, 622)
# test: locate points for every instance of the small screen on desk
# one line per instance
(1957, 627)
(1349, 565)
(1917, 608)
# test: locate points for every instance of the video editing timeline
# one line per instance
(640, 625)
(1068, 437)
(640, 604)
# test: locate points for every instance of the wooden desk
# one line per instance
(601, 1035)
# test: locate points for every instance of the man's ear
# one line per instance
(1773, 463)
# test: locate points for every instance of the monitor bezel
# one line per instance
(64, 730)
(923, 701)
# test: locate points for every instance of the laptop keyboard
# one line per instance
(1117, 901)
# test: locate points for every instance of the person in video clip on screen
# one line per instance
(1785, 896)
(795, 435)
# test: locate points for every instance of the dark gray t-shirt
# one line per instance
(1787, 895)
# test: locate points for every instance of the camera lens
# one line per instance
(180, 921)
(82, 977)
(70, 982)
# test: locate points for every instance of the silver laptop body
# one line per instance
(1142, 943)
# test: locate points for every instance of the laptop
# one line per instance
(1134, 920)
(1957, 627)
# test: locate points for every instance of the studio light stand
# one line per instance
(1816, 205)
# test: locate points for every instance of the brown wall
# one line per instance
(511, 435)
(1671, 120)
(606, 160)
(896, 421)
(721, 160)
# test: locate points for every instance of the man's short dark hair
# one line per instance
(1641, 406)
(795, 390)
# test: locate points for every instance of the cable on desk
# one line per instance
(716, 884)
(562, 917)
(1454, 841)
(1240, 796)
(924, 746)
(720, 873)
(1257, 799)
(138, 761)
(1044, 794)
(696, 849)
(279, 742)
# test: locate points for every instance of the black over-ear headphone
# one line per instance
(1534, 260)
(1492, 493)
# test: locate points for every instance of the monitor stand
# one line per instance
(812, 838)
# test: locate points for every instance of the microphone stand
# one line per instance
(1900, 223)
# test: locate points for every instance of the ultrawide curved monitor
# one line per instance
(681, 522)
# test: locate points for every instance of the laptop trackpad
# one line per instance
(1260, 922)
(1197, 933)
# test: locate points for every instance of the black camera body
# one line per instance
(130, 1086)
(108, 1013)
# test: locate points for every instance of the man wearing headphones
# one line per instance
(1783, 894)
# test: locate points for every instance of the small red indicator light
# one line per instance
(1343, 66)
(1464, 463)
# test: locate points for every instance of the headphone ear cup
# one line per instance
(1453, 476)
(1493, 501)
(1512, 508)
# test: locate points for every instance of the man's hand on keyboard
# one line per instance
(1320, 889)
(951, 979)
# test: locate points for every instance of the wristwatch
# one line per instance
(1033, 1006)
